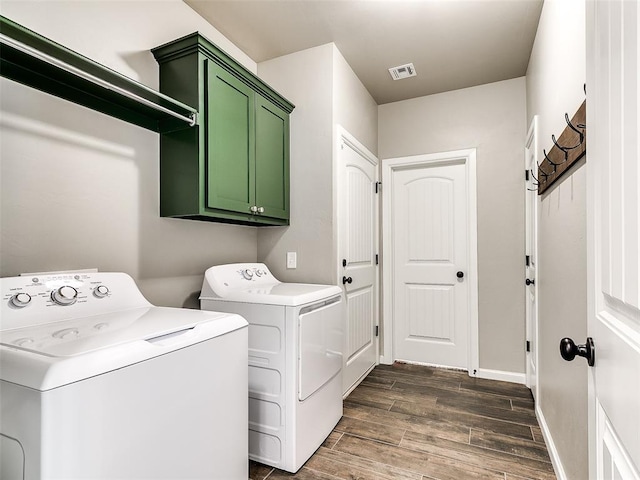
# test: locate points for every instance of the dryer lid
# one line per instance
(286, 294)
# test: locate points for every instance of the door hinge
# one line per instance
(377, 330)
(527, 260)
(378, 186)
(377, 259)
(528, 345)
(526, 175)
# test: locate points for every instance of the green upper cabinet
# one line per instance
(234, 165)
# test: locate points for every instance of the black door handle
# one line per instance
(569, 350)
(460, 274)
(346, 280)
(530, 282)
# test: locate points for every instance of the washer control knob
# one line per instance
(65, 295)
(20, 300)
(247, 274)
(101, 291)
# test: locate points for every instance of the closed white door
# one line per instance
(613, 229)
(357, 254)
(430, 246)
(531, 254)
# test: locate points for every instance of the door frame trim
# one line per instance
(532, 322)
(389, 166)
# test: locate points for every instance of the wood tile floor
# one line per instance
(409, 422)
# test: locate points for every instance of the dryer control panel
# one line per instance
(220, 280)
(44, 298)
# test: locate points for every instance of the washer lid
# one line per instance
(52, 355)
(287, 294)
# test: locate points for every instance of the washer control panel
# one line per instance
(43, 298)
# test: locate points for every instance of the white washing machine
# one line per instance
(98, 383)
(295, 358)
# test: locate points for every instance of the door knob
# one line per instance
(530, 282)
(346, 280)
(569, 350)
(460, 274)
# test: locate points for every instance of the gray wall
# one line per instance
(490, 118)
(305, 78)
(555, 79)
(80, 189)
(326, 92)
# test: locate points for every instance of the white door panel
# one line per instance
(357, 251)
(430, 229)
(613, 121)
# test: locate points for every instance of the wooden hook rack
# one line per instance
(566, 150)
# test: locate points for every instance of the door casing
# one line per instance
(531, 249)
(468, 156)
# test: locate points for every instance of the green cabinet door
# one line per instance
(272, 159)
(230, 159)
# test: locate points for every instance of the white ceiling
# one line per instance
(452, 43)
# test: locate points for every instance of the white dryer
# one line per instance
(98, 383)
(295, 358)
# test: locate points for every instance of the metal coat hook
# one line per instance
(543, 172)
(537, 180)
(565, 150)
(580, 125)
(549, 160)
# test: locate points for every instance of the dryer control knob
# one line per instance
(101, 291)
(65, 295)
(20, 300)
(248, 274)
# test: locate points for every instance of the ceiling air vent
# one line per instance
(403, 71)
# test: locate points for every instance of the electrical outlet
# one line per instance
(292, 260)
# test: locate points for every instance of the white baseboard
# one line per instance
(386, 360)
(551, 447)
(501, 375)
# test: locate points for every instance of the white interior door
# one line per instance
(358, 256)
(427, 212)
(613, 212)
(531, 258)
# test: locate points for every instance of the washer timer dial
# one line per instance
(65, 295)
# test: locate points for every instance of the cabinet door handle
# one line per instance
(253, 209)
(260, 209)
